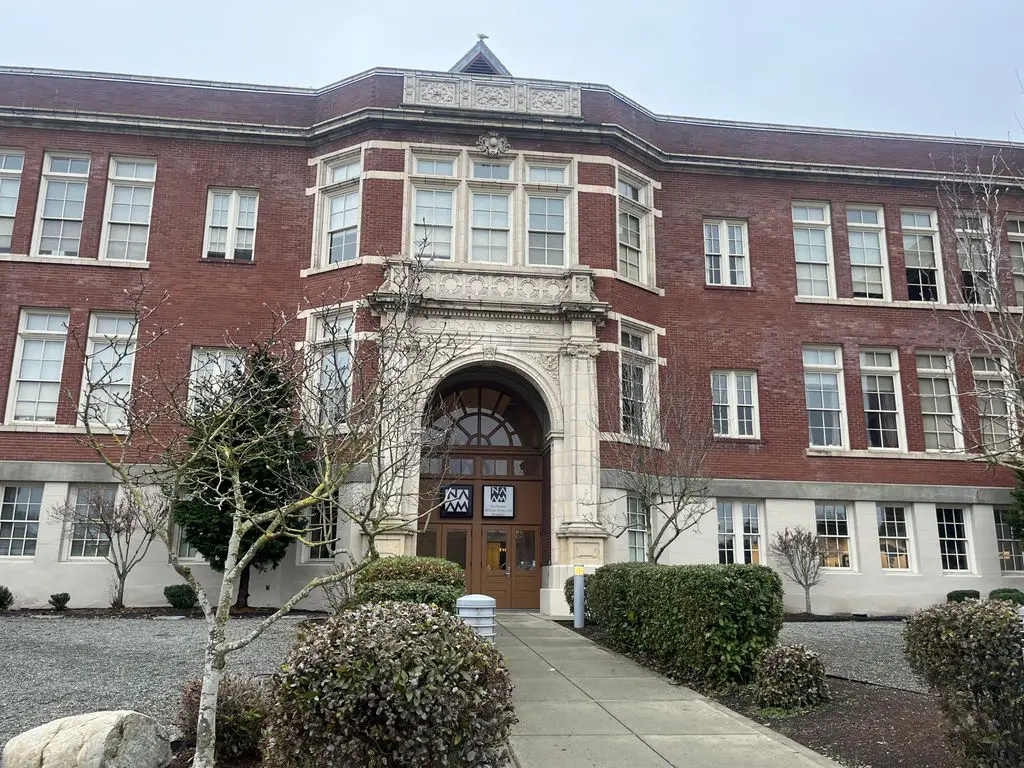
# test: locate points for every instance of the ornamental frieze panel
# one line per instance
(504, 288)
(513, 96)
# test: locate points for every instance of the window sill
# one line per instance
(899, 572)
(861, 453)
(738, 439)
(233, 262)
(60, 429)
(622, 437)
(340, 265)
(76, 261)
(926, 305)
(739, 288)
(635, 283)
(17, 558)
(963, 574)
(835, 569)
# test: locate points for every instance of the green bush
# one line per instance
(969, 653)
(570, 597)
(791, 677)
(705, 622)
(6, 598)
(433, 570)
(1007, 593)
(391, 685)
(59, 601)
(243, 704)
(409, 592)
(959, 595)
(181, 596)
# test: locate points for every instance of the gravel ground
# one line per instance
(870, 651)
(55, 667)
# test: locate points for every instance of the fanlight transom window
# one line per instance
(479, 416)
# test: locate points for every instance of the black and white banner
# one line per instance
(499, 500)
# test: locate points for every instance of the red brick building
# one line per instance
(801, 284)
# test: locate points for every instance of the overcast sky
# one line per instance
(924, 66)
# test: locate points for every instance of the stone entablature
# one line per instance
(492, 94)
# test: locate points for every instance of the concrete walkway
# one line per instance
(582, 706)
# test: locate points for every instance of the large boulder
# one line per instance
(119, 739)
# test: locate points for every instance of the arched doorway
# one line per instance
(489, 506)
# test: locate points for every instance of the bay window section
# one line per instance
(342, 209)
(634, 206)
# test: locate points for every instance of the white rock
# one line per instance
(119, 739)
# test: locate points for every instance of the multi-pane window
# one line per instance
(185, 549)
(952, 538)
(342, 210)
(1015, 230)
(634, 211)
(823, 391)
(976, 274)
(129, 205)
(546, 174)
(734, 403)
(940, 413)
(546, 231)
(921, 254)
(432, 228)
(19, 520)
(429, 166)
(231, 224)
(638, 526)
(812, 240)
(636, 363)
(494, 171)
(739, 531)
(991, 399)
(10, 183)
(1011, 558)
(39, 360)
(726, 253)
(109, 362)
(62, 204)
(490, 235)
(344, 170)
(333, 342)
(212, 368)
(93, 518)
(893, 539)
(323, 534)
(868, 260)
(880, 381)
(833, 529)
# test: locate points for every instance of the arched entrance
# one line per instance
(490, 505)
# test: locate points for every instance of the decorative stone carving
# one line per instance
(546, 361)
(544, 100)
(434, 92)
(490, 353)
(493, 144)
(515, 96)
(581, 351)
(495, 286)
(494, 97)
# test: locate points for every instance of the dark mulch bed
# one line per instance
(806, 617)
(864, 726)
(183, 754)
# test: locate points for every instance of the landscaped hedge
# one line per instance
(441, 595)
(433, 570)
(959, 595)
(970, 654)
(570, 597)
(1007, 593)
(707, 622)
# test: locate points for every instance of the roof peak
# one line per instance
(480, 60)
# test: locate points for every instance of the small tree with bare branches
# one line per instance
(101, 524)
(798, 555)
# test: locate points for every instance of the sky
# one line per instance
(948, 67)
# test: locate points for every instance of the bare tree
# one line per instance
(798, 554)
(99, 524)
(661, 454)
(361, 373)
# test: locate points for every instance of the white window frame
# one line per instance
(966, 236)
(133, 183)
(726, 278)
(309, 555)
(1008, 546)
(19, 350)
(484, 162)
(546, 167)
(947, 372)
(1015, 234)
(639, 206)
(870, 368)
(886, 525)
(93, 537)
(848, 518)
(97, 342)
(192, 555)
(826, 227)
(221, 362)
(234, 199)
(645, 359)
(638, 529)
(12, 162)
(564, 232)
(879, 230)
(320, 346)
(510, 218)
(736, 513)
(998, 373)
(733, 405)
(965, 516)
(351, 183)
(932, 231)
(836, 369)
(418, 171)
(51, 177)
(422, 242)
(9, 515)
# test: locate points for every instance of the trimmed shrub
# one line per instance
(59, 601)
(705, 622)
(391, 685)
(1007, 593)
(243, 704)
(181, 596)
(570, 597)
(409, 592)
(433, 570)
(6, 598)
(959, 595)
(791, 677)
(969, 653)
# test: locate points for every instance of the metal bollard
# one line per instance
(577, 598)
(478, 611)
